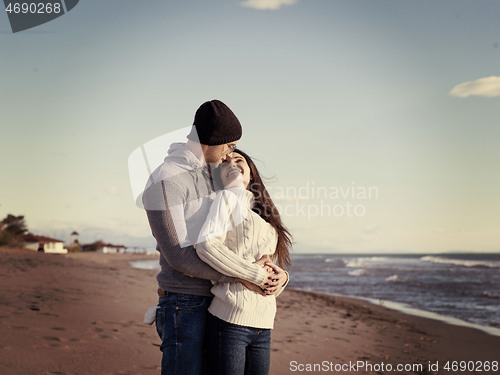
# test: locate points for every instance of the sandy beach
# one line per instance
(82, 314)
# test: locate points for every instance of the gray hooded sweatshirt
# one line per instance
(177, 200)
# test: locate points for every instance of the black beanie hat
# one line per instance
(215, 124)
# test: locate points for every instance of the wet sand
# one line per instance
(82, 314)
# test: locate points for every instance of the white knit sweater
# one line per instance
(232, 238)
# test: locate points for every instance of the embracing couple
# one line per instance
(222, 245)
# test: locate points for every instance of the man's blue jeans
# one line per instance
(180, 323)
(237, 350)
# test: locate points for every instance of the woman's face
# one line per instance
(235, 171)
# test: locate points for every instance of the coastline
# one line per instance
(404, 309)
(82, 314)
(342, 330)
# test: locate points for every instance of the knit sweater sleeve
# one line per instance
(221, 258)
(225, 213)
(182, 259)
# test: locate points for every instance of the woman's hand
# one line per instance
(276, 280)
(263, 260)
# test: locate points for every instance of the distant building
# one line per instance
(73, 237)
(107, 248)
(44, 244)
(137, 250)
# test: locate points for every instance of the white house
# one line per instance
(44, 244)
(108, 248)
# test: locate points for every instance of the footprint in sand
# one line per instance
(341, 339)
(51, 338)
(50, 314)
(54, 341)
(20, 328)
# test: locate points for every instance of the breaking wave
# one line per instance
(461, 262)
(394, 278)
(358, 272)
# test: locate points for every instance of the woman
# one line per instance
(243, 225)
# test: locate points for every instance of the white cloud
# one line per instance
(267, 4)
(488, 86)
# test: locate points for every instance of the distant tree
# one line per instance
(12, 230)
(15, 224)
(93, 246)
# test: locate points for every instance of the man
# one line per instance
(177, 201)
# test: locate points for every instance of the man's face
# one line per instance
(215, 155)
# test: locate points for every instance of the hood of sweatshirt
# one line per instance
(178, 162)
(182, 157)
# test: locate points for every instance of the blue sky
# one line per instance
(397, 95)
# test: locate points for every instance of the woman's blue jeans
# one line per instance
(181, 323)
(237, 350)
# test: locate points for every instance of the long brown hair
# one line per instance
(266, 209)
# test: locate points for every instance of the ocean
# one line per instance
(458, 288)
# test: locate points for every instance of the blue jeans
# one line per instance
(180, 323)
(237, 350)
